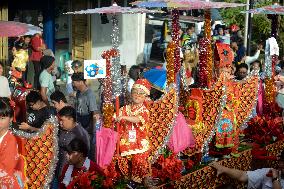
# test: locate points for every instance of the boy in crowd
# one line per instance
(38, 112)
(58, 100)
(69, 130)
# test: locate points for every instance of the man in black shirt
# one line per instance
(38, 112)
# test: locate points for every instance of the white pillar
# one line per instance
(246, 25)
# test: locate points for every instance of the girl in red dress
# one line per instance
(11, 163)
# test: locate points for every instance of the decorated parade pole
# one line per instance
(116, 69)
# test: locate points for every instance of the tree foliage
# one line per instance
(261, 25)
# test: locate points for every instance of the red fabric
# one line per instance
(141, 128)
(9, 159)
(76, 171)
(36, 42)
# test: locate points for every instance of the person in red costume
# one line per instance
(38, 46)
(11, 163)
(134, 143)
(78, 162)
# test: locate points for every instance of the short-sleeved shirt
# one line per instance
(257, 179)
(5, 90)
(46, 80)
(38, 117)
(86, 104)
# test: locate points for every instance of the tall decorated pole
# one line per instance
(206, 54)
(108, 108)
(176, 38)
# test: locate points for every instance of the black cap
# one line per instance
(78, 76)
(77, 145)
(46, 61)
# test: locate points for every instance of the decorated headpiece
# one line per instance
(21, 58)
(224, 55)
(142, 84)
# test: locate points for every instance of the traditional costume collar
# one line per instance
(68, 174)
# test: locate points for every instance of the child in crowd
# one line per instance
(134, 143)
(38, 112)
(77, 162)
(11, 163)
(58, 100)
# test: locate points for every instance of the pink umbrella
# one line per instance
(114, 9)
(201, 4)
(12, 29)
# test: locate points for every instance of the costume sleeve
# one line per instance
(9, 155)
(255, 178)
(61, 185)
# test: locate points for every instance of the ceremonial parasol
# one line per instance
(270, 9)
(12, 29)
(157, 77)
(33, 30)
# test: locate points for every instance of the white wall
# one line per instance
(132, 37)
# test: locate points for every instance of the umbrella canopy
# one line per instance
(12, 29)
(114, 9)
(157, 77)
(158, 4)
(33, 30)
(271, 9)
(203, 4)
(185, 4)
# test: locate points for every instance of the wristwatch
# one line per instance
(274, 179)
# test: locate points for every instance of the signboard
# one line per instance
(94, 69)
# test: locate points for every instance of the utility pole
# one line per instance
(251, 2)
(246, 24)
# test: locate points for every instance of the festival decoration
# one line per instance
(116, 67)
(167, 168)
(171, 63)
(203, 66)
(108, 107)
(176, 38)
(41, 154)
(163, 112)
(259, 127)
(271, 53)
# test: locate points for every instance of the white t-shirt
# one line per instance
(257, 179)
(5, 90)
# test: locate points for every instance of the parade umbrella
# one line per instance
(157, 77)
(201, 4)
(114, 9)
(33, 30)
(12, 29)
(270, 9)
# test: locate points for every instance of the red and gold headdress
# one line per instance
(142, 84)
(224, 55)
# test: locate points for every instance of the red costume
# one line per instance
(134, 143)
(92, 167)
(11, 163)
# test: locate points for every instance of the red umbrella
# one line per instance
(12, 29)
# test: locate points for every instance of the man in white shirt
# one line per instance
(5, 90)
(265, 178)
